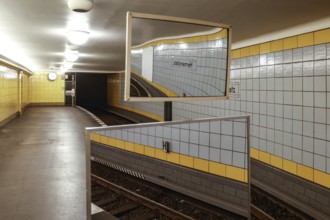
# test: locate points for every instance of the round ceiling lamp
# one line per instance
(80, 5)
(73, 47)
(67, 65)
(78, 37)
(63, 69)
(71, 56)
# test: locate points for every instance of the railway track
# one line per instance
(109, 118)
(274, 207)
(134, 201)
(190, 207)
(147, 205)
(263, 207)
(258, 214)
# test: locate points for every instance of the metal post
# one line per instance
(20, 89)
(73, 91)
(88, 174)
(248, 164)
(167, 111)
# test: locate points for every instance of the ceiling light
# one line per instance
(63, 69)
(80, 5)
(72, 47)
(71, 56)
(67, 65)
(77, 37)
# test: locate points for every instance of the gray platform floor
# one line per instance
(42, 165)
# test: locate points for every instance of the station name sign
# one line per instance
(179, 63)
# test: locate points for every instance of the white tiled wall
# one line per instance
(206, 77)
(219, 140)
(136, 62)
(287, 93)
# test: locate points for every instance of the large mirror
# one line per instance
(173, 59)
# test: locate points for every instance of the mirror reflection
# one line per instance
(175, 59)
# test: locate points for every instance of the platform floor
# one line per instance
(42, 165)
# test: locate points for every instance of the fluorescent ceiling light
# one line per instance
(78, 37)
(71, 56)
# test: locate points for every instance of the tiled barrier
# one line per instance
(207, 158)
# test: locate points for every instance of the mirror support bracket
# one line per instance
(167, 111)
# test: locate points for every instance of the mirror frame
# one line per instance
(129, 30)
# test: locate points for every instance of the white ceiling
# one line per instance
(33, 32)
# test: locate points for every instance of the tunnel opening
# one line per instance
(91, 90)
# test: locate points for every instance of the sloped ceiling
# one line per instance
(33, 32)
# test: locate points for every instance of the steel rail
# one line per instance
(260, 214)
(157, 207)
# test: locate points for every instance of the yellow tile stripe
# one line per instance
(231, 172)
(302, 40)
(203, 38)
(294, 168)
(147, 114)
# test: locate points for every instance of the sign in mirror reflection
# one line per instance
(172, 58)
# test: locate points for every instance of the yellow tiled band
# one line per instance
(159, 87)
(231, 172)
(303, 40)
(195, 39)
(297, 169)
(147, 114)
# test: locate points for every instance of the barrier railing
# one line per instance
(216, 146)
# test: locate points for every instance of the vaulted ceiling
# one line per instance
(33, 32)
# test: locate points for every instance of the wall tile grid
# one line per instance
(43, 90)
(207, 59)
(8, 92)
(136, 62)
(287, 94)
(215, 146)
(284, 86)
